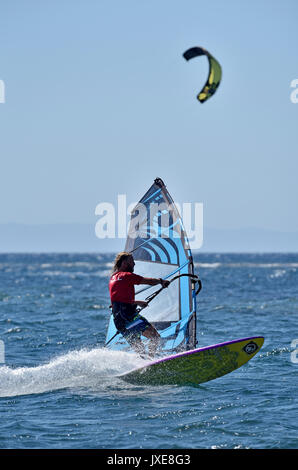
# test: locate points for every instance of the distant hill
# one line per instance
(82, 238)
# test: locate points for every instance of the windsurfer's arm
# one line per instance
(152, 281)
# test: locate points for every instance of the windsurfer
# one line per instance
(124, 306)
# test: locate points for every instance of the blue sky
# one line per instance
(99, 101)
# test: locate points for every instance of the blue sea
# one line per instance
(59, 387)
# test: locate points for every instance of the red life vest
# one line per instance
(121, 286)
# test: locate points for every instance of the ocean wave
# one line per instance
(243, 264)
(75, 369)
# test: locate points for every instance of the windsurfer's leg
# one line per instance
(152, 334)
(136, 343)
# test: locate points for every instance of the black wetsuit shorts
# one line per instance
(127, 320)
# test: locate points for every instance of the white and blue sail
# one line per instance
(159, 244)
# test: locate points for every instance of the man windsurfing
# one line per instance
(124, 306)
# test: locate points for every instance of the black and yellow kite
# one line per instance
(215, 72)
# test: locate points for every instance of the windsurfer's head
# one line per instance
(124, 262)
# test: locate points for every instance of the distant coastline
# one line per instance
(80, 237)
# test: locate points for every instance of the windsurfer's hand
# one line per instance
(141, 303)
(164, 283)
